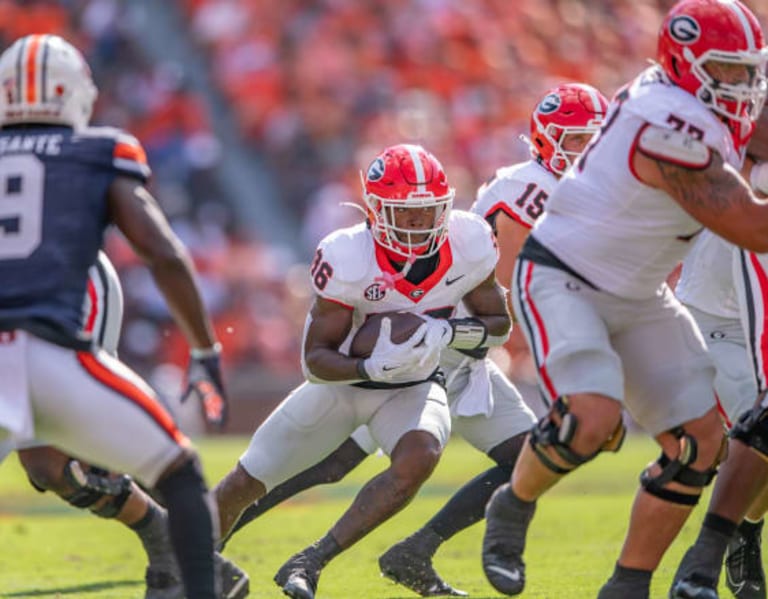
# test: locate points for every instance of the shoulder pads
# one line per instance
(349, 251)
(471, 236)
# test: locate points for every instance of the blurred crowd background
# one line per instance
(258, 115)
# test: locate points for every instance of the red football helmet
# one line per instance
(569, 108)
(401, 177)
(727, 34)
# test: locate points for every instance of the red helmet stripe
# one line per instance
(31, 68)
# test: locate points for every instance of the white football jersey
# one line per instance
(520, 191)
(706, 281)
(618, 233)
(351, 270)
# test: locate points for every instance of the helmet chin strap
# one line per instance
(387, 280)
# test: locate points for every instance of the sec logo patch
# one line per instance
(375, 292)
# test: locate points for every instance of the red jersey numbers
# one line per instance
(321, 271)
(532, 200)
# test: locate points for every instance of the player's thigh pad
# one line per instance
(670, 376)
(422, 407)
(16, 418)
(566, 331)
(95, 407)
(510, 415)
(307, 426)
(735, 382)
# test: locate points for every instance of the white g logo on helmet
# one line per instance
(550, 103)
(376, 170)
(684, 29)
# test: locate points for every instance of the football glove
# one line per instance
(414, 359)
(204, 380)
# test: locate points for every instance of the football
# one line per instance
(404, 324)
(758, 144)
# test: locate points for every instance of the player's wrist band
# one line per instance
(468, 333)
(200, 353)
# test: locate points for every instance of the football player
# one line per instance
(413, 254)
(63, 184)
(723, 286)
(110, 495)
(485, 407)
(589, 288)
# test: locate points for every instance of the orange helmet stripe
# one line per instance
(31, 67)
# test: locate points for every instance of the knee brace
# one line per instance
(94, 485)
(678, 470)
(752, 429)
(559, 436)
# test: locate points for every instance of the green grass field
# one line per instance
(48, 549)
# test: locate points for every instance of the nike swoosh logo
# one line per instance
(388, 368)
(511, 574)
(452, 281)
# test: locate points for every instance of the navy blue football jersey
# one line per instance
(53, 214)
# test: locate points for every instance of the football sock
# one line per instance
(152, 529)
(705, 557)
(467, 505)
(325, 549)
(627, 583)
(712, 541)
(191, 528)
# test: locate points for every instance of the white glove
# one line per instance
(412, 360)
(439, 333)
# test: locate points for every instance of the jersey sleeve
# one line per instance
(129, 157)
(475, 241)
(673, 108)
(114, 150)
(338, 267)
(520, 192)
(500, 197)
